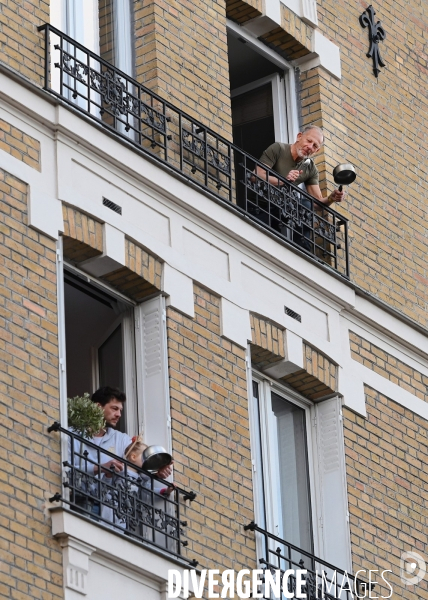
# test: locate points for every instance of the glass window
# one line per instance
(292, 471)
(115, 33)
(280, 449)
(110, 360)
(96, 338)
(299, 474)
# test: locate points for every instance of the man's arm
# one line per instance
(292, 176)
(263, 175)
(335, 196)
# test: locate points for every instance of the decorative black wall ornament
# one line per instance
(376, 34)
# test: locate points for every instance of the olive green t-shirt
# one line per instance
(278, 157)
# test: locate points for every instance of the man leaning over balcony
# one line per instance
(294, 163)
(111, 401)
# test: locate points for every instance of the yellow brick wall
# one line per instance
(267, 342)
(293, 39)
(386, 457)
(240, 11)
(388, 366)
(321, 367)
(181, 54)
(140, 277)
(210, 435)
(31, 561)
(21, 45)
(143, 264)
(379, 126)
(106, 29)
(317, 379)
(20, 145)
(83, 235)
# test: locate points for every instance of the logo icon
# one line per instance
(412, 568)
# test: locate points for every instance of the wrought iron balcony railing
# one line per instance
(132, 502)
(322, 581)
(192, 151)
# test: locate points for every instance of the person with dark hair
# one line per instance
(104, 394)
(111, 401)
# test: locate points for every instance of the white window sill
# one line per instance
(105, 565)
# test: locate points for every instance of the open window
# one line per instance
(263, 103)
(99, 341)
(110, 340)
(259, 114)
(263, 97)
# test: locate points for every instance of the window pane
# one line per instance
(110, 366)
(293, 472)
(253, 123)
(110, 360)
(89, 314)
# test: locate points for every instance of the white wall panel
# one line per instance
(206, 254)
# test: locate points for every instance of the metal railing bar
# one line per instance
(127, 502)
(214, 162)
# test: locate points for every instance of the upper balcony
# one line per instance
(194, 153)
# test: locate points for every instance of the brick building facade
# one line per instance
(287, 377)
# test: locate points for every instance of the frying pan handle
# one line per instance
(340, 188)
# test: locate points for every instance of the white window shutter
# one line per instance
(332, 476)
(152, 372)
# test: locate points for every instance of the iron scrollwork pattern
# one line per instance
(321, 580)
(376, 34)
(214, 157)
(195, 152)
(133, 501)
(290, 207)
(325, 229)
(112, 90)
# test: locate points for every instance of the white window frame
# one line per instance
(292, 113)
(128, 337)
(148, 401)
(270, 455)
(78, 19)
(325, 545)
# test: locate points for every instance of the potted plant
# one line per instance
(85, 418)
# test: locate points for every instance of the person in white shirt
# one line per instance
(111, 401)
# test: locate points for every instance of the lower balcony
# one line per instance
(320, 580)
(193, 152)
(118, 531)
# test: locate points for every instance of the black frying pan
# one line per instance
(344, 174)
